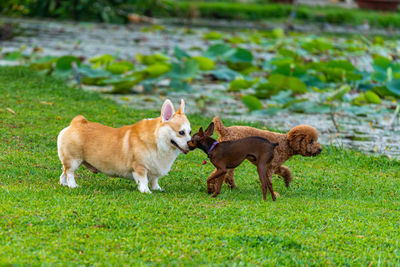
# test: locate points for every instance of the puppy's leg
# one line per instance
(211, 184)
(230, 178)
(155, 186)
(70, 167)
(262, 174)
(285, 173)
(140, 176)
(269, 173)
(218, 185)
(216, 174)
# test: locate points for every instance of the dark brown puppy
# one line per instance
(230, 154)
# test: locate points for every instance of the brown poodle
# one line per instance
(300, 140)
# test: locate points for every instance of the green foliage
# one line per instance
(328, 216)
(252, 102)
(65, 62)
(305, 14)
(205, 63)
(120, 67)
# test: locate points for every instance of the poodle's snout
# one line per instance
(320, 150)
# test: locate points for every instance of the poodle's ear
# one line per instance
(167, 110)
(210, 129)
(295, 138)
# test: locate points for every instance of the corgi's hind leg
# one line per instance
(68, 175)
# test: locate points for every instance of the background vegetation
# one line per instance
(341, 209)
(116, 11)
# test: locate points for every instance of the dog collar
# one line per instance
(211, 148)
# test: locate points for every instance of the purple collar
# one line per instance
(211, 148)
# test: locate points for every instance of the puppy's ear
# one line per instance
(201, 131)
(181, 109)
(167, 110)
(210, 129)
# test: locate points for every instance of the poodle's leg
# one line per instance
(269, 173)
(285, 173)
(230, 178)
(262, 174)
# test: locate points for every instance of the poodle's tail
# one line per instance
(219, 127)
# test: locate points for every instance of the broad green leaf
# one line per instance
(87, 71)
(185, 70)
(341, 64)
(394, 86)
(266, 90)
(213, 35)
(252, 102)
(180, 54)
(120, 67)
(278, 33)
(236, 40)
(218, 51)
(64, 63)
(372, 98)
(239, 84)
(15, 55)
(102, 59)
(205, 63)
(241, 55)
(157, 70)
(296, 85)
(151, 59)
(224, 74)
(381, 63)
(339, 93)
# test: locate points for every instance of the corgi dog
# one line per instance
(143, 152)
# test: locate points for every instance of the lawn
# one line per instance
(341, 209)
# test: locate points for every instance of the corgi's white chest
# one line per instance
(159, 163)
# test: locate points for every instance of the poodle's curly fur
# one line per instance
(300, 140)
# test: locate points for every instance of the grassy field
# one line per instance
(342, 207)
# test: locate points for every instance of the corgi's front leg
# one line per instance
(140, 176)
(155, 185)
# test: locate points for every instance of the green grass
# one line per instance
(342, 207)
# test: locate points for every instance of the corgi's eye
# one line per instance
(182, 132)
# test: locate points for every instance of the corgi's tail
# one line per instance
(79, 119)
(219, 127)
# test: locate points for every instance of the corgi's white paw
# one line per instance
(144, 189)
(63, 180)
(72, 184)
(157, 187)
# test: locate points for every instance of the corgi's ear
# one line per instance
(181, 109)
(167, 110)
(210, 129)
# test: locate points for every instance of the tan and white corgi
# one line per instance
(144, 151)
